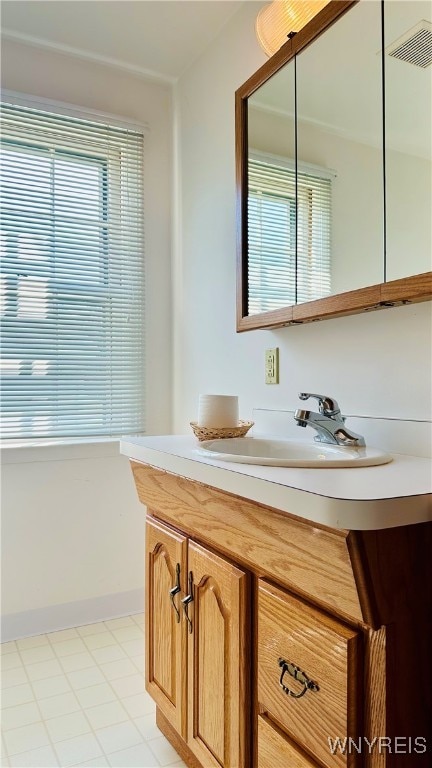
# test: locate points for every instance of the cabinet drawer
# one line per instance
(274, 751)
(292, 634)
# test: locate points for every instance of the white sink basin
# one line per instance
(290, 453)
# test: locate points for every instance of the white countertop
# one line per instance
(362, 498)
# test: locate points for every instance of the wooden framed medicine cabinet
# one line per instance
(332, 176)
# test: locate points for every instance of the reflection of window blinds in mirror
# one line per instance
(272, 233)
(313, 236)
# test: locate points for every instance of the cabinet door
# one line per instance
(166, 553)
(217, 660)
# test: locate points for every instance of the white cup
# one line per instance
(218, 411)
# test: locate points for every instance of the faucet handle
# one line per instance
(326, 405)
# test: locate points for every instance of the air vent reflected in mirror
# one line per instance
(415, 46)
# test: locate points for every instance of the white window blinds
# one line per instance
(288, 243)
(72, 277)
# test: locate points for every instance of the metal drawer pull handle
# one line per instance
(297, 674)
(187, 600)
(174, 591)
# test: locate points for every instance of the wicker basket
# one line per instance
(214, 433)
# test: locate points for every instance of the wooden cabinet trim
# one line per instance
(394, 572)
(176, 740)
(307, 559)
(375, 685)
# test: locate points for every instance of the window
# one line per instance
(288, 244)
(72, 277)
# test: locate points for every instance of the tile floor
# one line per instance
(77, 697)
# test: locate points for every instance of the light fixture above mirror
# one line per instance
(278, 19)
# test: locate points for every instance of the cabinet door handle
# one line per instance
(174, 591)
(187, 600)
(297, 674)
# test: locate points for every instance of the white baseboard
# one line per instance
(54, 617)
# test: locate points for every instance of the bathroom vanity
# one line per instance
(287, 609)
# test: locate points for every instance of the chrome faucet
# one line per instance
(328, 423)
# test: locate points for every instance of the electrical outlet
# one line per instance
(272, 366)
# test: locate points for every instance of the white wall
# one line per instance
(72, 540)
(375, 364)
(73, 529)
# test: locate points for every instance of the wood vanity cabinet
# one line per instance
(269, 637)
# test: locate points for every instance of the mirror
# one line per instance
(272, 194)
(339, 125)
(311, 166)
(408, 112)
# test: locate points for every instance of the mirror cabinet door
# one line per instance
(340, 242)
(271, 199)
(408, 114)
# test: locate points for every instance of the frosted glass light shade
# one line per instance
(276, 20)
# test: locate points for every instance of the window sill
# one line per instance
(58, 449)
